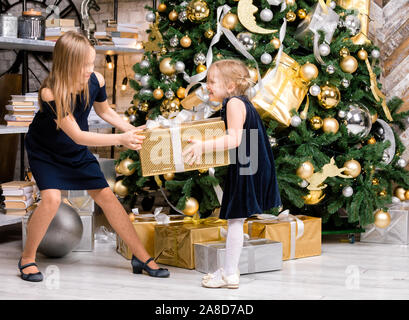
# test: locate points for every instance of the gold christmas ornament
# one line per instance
(203, 170)
(117, 169)
(349, 64)
(382, 219)
(191, 206)
(407, 195)
(163, 51)
(306, 170)
(316, 123)
(374, 117)
(253, 74)
(166, 67)
(181, 93)
(245, 12)
(120, 189)
(197, 11)
(330, 125)
(344, 52)
(375, 181)
(162, 7)
(308, 71)
(200, 68)
(229, 21)
(124, 167)
(169, 176)
(400, 193)
(290, 16)
(158, 93)
(371, 140)
(383, 193)
(275, 42)
(131, 111)
(185, 41)
(314, 197)
(290, 2)
(209, 34)
(173, 15)
(144, 106)
(353, 168)
(329, 96)
(301, 13)
(362, 54)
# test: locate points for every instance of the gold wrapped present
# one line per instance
(145, 229)
(300, 235)
(200, 99)
(174, 244)
(363, 7)
(281, 94)
(162, 149)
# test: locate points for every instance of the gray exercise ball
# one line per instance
(63, 234)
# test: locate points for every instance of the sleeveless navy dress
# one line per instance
(251, 184)
(55, 160)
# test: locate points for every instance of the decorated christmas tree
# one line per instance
(332, 132)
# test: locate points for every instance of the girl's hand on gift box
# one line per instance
(142, 127)
(193, 152)
(132, 140)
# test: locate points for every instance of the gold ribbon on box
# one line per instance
(363, 7)
(282, 91)
(296, 226)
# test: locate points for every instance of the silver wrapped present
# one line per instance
(317, 20)
(257, 255)
(397, 232)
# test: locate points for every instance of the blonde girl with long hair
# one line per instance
(57, 147)
(251, 184)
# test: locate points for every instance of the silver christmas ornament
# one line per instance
(150, 17)
(395, 200)
(145, 91)
(315, 90)
(383, 132)
(332, 5)
(358, 120)
(145, 80)
(266, 58)
(174, 41)
(251, 92)
(132, 118)
(342, 114)
(303, 184)
(330, 69)
(375, 53)
(199, 58)
(169, 94)
(295, 121)
(144, 64)
(347, 191)
(353, 24)
(324, 49)
(173, 77)
(273, 141)
(401, 163)
(179, 66)
(345, 83)
(266, 15)
(182, 16)
(246, 40)
(137, 76)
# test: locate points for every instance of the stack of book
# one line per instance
(18, 197)
(22, 109)
(121, 35)
(57, 27)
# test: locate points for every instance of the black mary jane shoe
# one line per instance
(32, 277)
(138, 266)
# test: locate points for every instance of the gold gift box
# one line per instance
(309, 244)
(363, 7)
(283, 93)
(159, 148)
(174, 244)
(145, 229)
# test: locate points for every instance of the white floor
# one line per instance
(343, 271)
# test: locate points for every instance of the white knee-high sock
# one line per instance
(234, 244)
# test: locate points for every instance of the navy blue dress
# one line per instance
(55, 160)
(251, 183)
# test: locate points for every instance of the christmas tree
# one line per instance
(315, 70)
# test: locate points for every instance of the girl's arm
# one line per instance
(236, 115)
(129, 139)
(108, 114)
